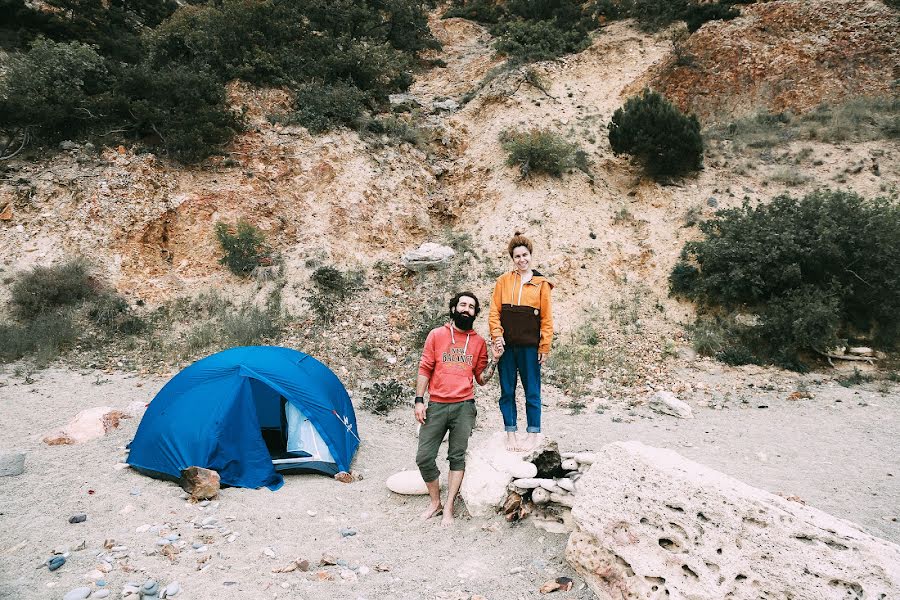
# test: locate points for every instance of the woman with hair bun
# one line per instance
(521, 329)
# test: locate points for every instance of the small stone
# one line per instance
(79, 518)
(204, 503)
(570, 464)
(129, 590)
(135, 491)
(363, 570)
(311, 513)
(347, 532)
(171, 537)
(196, 545)
(162, 542)
(201, 549)
(172, 589)
(79, 593)
(516, 570)
(200, 483)
(208, 521)
(100, 594)
(231, 538)
(269, 552)
(348, 575)
(142, 529)
(566, 484)
(12, 463)
(150, 588)
(56, 562)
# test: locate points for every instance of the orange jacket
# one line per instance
(535, 293)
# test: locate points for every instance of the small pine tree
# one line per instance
(658, 135)
(245, 247)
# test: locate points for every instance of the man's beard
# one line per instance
(463, 321)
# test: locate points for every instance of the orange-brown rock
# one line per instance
(200, 483)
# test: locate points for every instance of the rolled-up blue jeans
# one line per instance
(521, 361)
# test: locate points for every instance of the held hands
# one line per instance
(498, 347)
(542, 356)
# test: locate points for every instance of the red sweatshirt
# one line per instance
(450, 360)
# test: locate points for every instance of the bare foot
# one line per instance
(532, 441)
(433, 510)
(512, 442)
(447, 521)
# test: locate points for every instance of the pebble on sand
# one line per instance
(56, 562)
(79, 593)
(347, 532)
(79, 518)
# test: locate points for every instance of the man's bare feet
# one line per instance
(512, 442)
(433, 510)
(447, 520)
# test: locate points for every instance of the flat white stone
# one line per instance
(409, 483)
(667, 403)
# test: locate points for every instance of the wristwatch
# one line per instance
(420, 400)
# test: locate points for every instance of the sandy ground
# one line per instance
(837, 451)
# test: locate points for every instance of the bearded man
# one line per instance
(454, 356)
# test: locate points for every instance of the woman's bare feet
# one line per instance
(433, 510)
(447, 520)
(512, 442)
(532, 441)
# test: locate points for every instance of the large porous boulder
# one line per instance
(489, 470)
(428, 256)
(651, 524)
(87, 425)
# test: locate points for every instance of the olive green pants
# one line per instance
(459, 419)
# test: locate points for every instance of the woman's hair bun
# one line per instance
(517, 232)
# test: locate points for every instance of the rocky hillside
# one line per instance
(607, 237)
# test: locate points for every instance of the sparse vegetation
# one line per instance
(382, 397)
(538, 151)
(855, 120)
(809, 271)
(43, 289)
(653, 15)
(658, 135)
(331, 287)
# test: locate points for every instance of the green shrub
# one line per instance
(331, 287)
(483, 11)
(244, 246)
(697, 14)
(42, 339)
(657, 134)
(185, 110)
(812, 271)
(538, 151)
(44, 288)
(382, 397)
(251, 326)
(530, 41)
(320, 107)
(53, 88)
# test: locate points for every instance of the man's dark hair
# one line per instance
(455, 300)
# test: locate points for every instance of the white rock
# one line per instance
(172, 589)
(564, 499)
(860, 351)
(100, 594)
(142, 529)
(540, 496)
(269, 552)
(550, 486)
(409, 483)
(428, 256)
(12, 463)
(570, 464)
(566, 484)
(489, 470)
(565, 455)
(651, 524)
(666, 403)
(585, 458)
(88, 424)
(528, 483)
(449, 104)
(94, 575)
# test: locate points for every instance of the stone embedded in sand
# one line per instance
(667, 403)
(79, 593)
(12, 463)
(569, 464)
(566, 484)
(652, 524)
(87, 425)
(540, 496)
(200, 483)
(409, 483)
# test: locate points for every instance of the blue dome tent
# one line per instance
(250, 414)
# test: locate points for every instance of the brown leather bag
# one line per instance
(521, 325)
